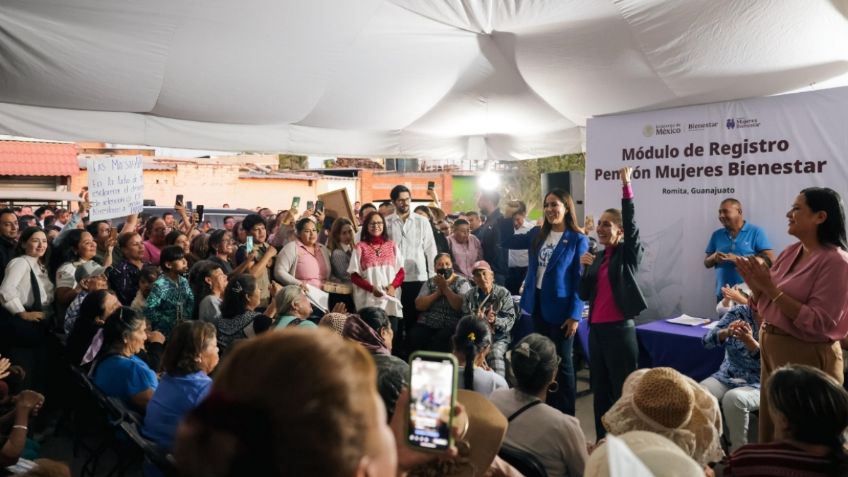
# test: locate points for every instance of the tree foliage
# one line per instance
(292, 162)
(524, 181)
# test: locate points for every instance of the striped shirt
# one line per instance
(777, 459)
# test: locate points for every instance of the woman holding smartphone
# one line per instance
(609, 285)
(550, 287)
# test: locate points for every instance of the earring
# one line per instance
(555, 387)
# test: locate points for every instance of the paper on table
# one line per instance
(687, 320)
(711, 325)
(318, 297)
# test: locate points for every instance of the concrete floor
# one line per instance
(585, 407)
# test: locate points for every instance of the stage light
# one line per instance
(489, 180)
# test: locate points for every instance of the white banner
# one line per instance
(115, 186)
(761, 151)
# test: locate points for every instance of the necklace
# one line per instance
(377, 250)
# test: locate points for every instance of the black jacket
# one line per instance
(490, 241)
(7, 253)
(623, 268)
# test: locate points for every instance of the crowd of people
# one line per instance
(148, 306)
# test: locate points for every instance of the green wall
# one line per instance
(464, 194)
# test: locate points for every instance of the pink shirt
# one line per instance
(151, 253)
(605, 311)
(465, 254)
(819, 283)
(310, 268)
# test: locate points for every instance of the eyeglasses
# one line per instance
(375, 225)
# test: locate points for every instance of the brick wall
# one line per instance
(376, 186)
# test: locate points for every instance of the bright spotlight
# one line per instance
(489, 181)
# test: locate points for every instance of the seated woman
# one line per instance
(95, 308)
(810, 412)
(191, 354)
(76, 248)
(440, 304)
(208, 282)
(371, 329)
(171, 299)
(239, 320)
(555, 438)
(663, 401)
(118, 372)
(471, 344)
(736, 384)
(293, 307)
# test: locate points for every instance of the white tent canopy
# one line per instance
(440, 79)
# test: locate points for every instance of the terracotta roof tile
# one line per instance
(22, 158)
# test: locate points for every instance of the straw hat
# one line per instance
(478, 446)
(334, 321)
(663, 401)
(640, 451)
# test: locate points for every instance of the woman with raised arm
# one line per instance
(609, 285)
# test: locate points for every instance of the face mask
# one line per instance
(445, 272)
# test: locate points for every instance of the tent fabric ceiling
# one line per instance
(435, 79)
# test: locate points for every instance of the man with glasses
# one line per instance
(8, 238)
(414, 237)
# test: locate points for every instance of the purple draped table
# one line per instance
(666, 344)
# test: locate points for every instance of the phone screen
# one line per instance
(309, 205)
(319, 206)
(179, 200)
(248, 245)
(295, 202)
(190, 205)
(431, 185)
(432, 390)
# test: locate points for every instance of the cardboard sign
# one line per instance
(115, 186)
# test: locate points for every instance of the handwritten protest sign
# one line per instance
(115, 186)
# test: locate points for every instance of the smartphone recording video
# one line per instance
(248, 244)
(431, 185)
(295, 203)
(432, 394)
(319, 206)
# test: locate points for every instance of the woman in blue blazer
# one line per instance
(551, 285)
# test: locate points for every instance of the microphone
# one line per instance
(593, 249)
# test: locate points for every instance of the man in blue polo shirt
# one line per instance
(736, 239)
